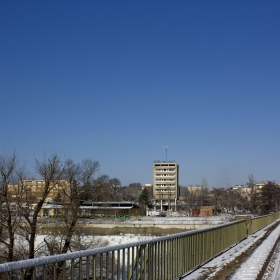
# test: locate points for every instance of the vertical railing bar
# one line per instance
(140, 260)
(128, 263)
(44, 272)
(164, 258)
(167, 258)
(151, 271)
(34, 273)
(145, 262)
(178, 257)
(171, 258)
(123, 263)
(54, 271)
(113, 264)
(118, 266)
(64, 270)
(136, 262)
(184, 239)
(80, 268)
(22, 274)
(101, 265)
(174, 255)
(175, 260)
(93, 267)
(158, 260)
(132, 261)
(72, 269)
(87, 267)
(154, 260)
(182, 254)
(107, 266)
(161, 260)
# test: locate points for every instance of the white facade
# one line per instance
(166, 184)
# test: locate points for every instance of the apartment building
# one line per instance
(245, 191)
(165, 184)
(32, 190)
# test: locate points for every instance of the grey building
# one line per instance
(165, 184)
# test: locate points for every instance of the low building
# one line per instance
(93, 209)
(110, 208)
(203, 211)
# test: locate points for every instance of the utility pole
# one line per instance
(168, 187)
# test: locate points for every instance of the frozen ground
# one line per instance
(213, 220)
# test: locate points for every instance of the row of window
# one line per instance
(164, 175)
(165, 185)
(165, 190)
(165, 180)
(164, 196)
(172, 169)
(164, 201)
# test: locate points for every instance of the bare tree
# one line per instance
(196, 196)
(50, 170)
(79, 177)
(131, 192)
(269, 198)
(232, 200)
(9, 219)
(102, 188)
(252, 195)
(115, 185)
(216, 195)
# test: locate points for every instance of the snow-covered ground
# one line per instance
(211, 220)
(249, 269)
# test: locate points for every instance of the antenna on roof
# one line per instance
(166, 147)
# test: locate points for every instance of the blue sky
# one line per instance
(117, 81)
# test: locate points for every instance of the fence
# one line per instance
(160, 258)
(260, 222)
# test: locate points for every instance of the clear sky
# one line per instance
(117, 81)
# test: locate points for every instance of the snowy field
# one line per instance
(212, 220)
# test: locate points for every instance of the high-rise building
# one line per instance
(166, 184)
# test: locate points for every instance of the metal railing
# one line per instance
(260, 222)
(161, 258)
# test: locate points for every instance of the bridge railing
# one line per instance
(166, 257)
(262, 221)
